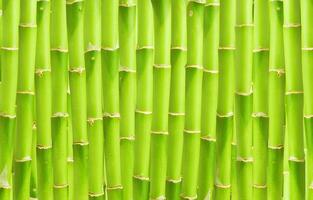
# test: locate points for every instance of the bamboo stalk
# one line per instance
(260, 99)
(243, 97)
(209, 100)
(92, 38)
(161, 94)
(192, 127)
(43, 102)
(307, 58)
(144, 99)
(59, 80)
(33, 174)
(234, 185)
(9, 73)
(1, 13)
(70, 159)
(77, 77)
(177, 99)
(127, 38)
(294, 98)
(25, 100)
(110, 86)
(225, 117)
(276, 109)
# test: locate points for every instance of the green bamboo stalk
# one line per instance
(9, 73)
(59, 81)
(1, 11)
(144, 99)
(25, 100)
(243, 97)
(286, 178)
(307, 58)
(276, 101)
(260, 99)
(161, 94)
(177, 99)
(43, 102)
(94, 97)
(127, 38)
(225, 106)
(209, 99)
(234, 185)
(77, 80)
(192, 127)
(70, 159)
(110, 87)
(33, 174)
(294, 98)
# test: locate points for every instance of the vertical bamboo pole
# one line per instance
(144, 99)
(92, 38)
(192, 127)
(307, 59)
(243, 97)
(294, 98)
(260, 98)
(25, 100)
(276, 109)
(59, 81)
(33, 174)
(127, 38)
(9, 73)
(209, 99)
(110, 86)
(177, 99)
(225, 106)
(70, 159)
(43, 102)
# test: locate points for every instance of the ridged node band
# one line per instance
(171, 180)
(157, 198)
(144, 112)
(259, 186)
(115, 187)
(208, 138)
(142, 178)
(94, 194)
(129, 138)
(24, 159)
(188, 197)
(245, 160)
(296, 159)
(222, 186)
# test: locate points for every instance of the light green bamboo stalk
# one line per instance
(260, 99)
(59, 81)
(294, 98)
(286, 179)
(33, 173)
(243, 97)
(94, 97)
(77, 77)
(234, 185)
(161, 94)
(25, 100)
(209, 99)
(110, 86)
(192, 127)
(225, 106)
(1, 11)
(144, 99)
(9, 68)
(70, 159)
(177, 99)
(43, 103)
(307, 59)
(276, 109)
(127, 38)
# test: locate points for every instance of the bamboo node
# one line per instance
(159, 132)
(28, 25)
(73, 1)
(296, 159)
(195, 66)
(192, 131)
(311, 186)
(115, 187)
(279, 72)
(70, 159)
(260, 50)
(130, 138)
(59, 114)
(26, 92)
(294, 92)
(292, 25)
(81, 143)
(59, 49)
(197, 1)
(10, 48)
(34, 127)
(308, 116)
(4, 115)
(143, 112)
(4, 183)
(78, 70)
(157, 198)
(92, 47)
(24, 159)
(277, 147)
(40, 71)
(243, 25)
(259, 114)
(182, 48)
(127, 5)
(307, 48)
(60, 186)
(43, 147)
(145, 47)
(229, 114)
(176, 113)
(162, 66)
(127, 69)
(213, 4)
(142, 178)
(222, 186)
(244, 93)
(210, 71)
(188, 197)
(245, 160)
(92, 120)
(259, 186)
(208, 138)
(110, 48)
(111, 115)
(227, 48)
(95, 194)
(171, 180)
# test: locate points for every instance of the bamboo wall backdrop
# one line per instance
(156, 99)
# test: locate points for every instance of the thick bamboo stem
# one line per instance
(276, 101)
(33, 173)
(294, 98)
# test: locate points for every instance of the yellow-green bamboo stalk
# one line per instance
(209, 99)
(70, 159)
(33, 175)
(192, 127)
(110, 88)
(59, 82)
(144, 62)
(9, 73)
(177, 99)
(25, 100)
(294, 98)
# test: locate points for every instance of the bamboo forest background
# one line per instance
(156, 99)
